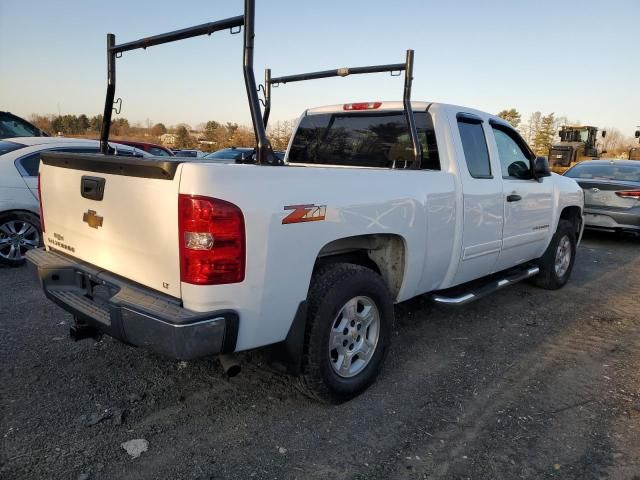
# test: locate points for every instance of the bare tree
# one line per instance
(530, 130)
(613, 141)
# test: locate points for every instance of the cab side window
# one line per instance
(474, 145)
(515, 159)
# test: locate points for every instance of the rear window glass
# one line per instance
(363, 140)
(620, 173)
(6, 147)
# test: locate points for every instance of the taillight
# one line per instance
(40, 202)
(629, 194)
(212, 241)
(361, 106)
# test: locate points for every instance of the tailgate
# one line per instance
(119, 214)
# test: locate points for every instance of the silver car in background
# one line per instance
(611, 193)
(20, 222)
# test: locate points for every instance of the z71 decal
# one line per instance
(304, 213)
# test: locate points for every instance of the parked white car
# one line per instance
(19, 212)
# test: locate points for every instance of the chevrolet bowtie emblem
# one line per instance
(93, 220)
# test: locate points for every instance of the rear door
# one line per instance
(527, 202)
(119, 214)
(482, 194)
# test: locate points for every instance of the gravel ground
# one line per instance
(525, 383)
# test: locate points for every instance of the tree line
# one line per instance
(541, 131)
(207, 136)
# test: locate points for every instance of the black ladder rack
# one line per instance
(407, 67)
(264, 154)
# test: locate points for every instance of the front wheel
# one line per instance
(348, 327)
(557, 262)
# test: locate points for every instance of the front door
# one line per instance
(528, 203)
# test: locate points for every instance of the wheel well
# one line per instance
(18, 211)
(382, 253)
(573, 215)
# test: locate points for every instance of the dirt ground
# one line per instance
(525, 383)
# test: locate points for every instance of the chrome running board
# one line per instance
(464, 297)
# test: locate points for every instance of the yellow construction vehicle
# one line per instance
(577, 143)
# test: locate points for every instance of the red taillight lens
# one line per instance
(629, 194)
(40, 202)
(361, 106)
(212, 241)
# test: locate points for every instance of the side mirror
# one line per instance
(604, 133)
(637, 133)
(541, 167)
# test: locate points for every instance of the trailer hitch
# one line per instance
(81, 331)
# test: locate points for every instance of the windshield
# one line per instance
(159, 152)
(372, 139)
(12, 126)
(575, 135)
(6, 147)
(619, 173)
(187, 153)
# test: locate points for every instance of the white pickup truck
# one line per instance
(192, 258)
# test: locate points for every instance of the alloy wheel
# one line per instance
(563, 256)
(354, 336)
(16, 237)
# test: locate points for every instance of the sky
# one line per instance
(579, 59)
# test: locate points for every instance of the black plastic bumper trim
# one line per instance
(133, 314)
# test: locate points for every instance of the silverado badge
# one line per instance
(93, 220)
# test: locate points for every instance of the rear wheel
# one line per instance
(19, 232)
(348, 326)
(557, 262)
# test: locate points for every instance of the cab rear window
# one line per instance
(372, 139)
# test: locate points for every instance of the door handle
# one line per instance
(92, 187)
(513, 198)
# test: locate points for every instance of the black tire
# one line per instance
(332, 286)
(548, 278)
(20, 218)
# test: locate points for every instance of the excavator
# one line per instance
(577, 143)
